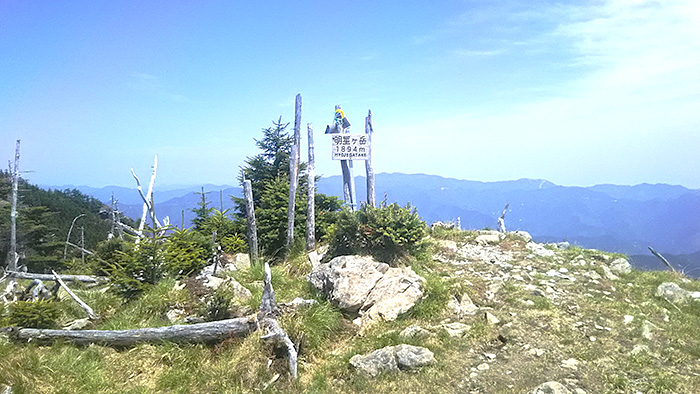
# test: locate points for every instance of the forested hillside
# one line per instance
(43, 220)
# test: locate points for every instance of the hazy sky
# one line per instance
(578, 93)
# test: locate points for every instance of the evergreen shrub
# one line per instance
(388, 233)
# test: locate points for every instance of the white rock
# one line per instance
(620, 266)
(628, 319)
(456, 329)
(483, 367)
(571, 363)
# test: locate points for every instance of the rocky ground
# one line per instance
(472, 312)
(525, 317)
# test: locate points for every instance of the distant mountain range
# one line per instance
(625, 219)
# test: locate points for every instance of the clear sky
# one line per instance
(575, 92)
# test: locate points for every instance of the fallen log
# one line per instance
(67, 278)
(209, 332)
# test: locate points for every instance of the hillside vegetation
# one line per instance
(563, 316)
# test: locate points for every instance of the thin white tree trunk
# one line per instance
(294, 158)
(311, 193)
(369, 130)
(147, 199)
(12, 255)
(250, 220)
(91, 314)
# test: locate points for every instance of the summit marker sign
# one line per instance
(350, 147)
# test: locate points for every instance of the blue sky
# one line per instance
(578, 93)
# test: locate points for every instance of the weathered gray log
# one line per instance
(369, 130)
(663, 259)
(39, 291)
(12, 257)
(210, 332)
(267, 316)
(294, 158)
(250, 220)
(91, 314)
(311, 192)
(68, 278)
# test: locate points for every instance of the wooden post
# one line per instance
(371, 198)
(250, 219)
(346, 165)
(311, 192)
(12, 255)
(293, 171)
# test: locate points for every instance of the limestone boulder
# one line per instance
(392, 359)
(348, 280)
(673, 293)
(620, 266)
(551, 388)
(364, 287)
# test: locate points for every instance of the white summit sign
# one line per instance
(350, 147)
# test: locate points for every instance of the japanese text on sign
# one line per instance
(350, 147)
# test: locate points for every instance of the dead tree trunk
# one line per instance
(502, 219)
(211, 332)
(196, 333)
(147, 200)
(369, 130)
(12, 255)
(311, 192)
(69, 278)
(293, 172)
(663, 259)
(91, 314)
(267, 316)
(250, 220)
(70, 230)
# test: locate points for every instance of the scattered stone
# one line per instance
(78, 324)
(536, 352)
(448, 245)
(490, 356)
(392, 359)
(461, 305)
(489, 237)
(539, 250)
(579, 391)
(608, 273)
(490, 318)
(175, 315)
(483, 367)
(414, 331)
(628, 319)
(413, 357)
(314, 259)
(523, 234)
(646, 330)
(456, 329)
(4, 389)
(620, 266)
(240, 260)
(571, 363)
(379, 361)
(551, 388)
(673, 293)
(639, 349)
